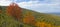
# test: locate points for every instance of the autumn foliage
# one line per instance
(0, 10)
(29, 19)
(43, 24)
(14, 10)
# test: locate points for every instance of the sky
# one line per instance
(44, 6)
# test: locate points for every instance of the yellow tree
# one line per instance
(49, 25)
(43, 24)
(40, 24)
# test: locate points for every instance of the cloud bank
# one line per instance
(44, 6)
(5, 2)
(41, 7)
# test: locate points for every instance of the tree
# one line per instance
(40, 24)
(14, 10)
(29, 18)
(43, 24)
(0, 9)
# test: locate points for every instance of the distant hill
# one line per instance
(40, 19)
(58, 14)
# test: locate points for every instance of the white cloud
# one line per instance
(47, 1)
(5, 2)
(41, 7)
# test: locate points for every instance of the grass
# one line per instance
(9, 21)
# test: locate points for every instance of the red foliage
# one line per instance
(14, 10)
(0, 11)
(29, 19)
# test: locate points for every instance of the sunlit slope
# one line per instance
(48, 20)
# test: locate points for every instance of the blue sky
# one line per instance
(44, 6)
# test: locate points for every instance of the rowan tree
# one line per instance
(14, 10)
(0, 9)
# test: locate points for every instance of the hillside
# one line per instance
(37, 19)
